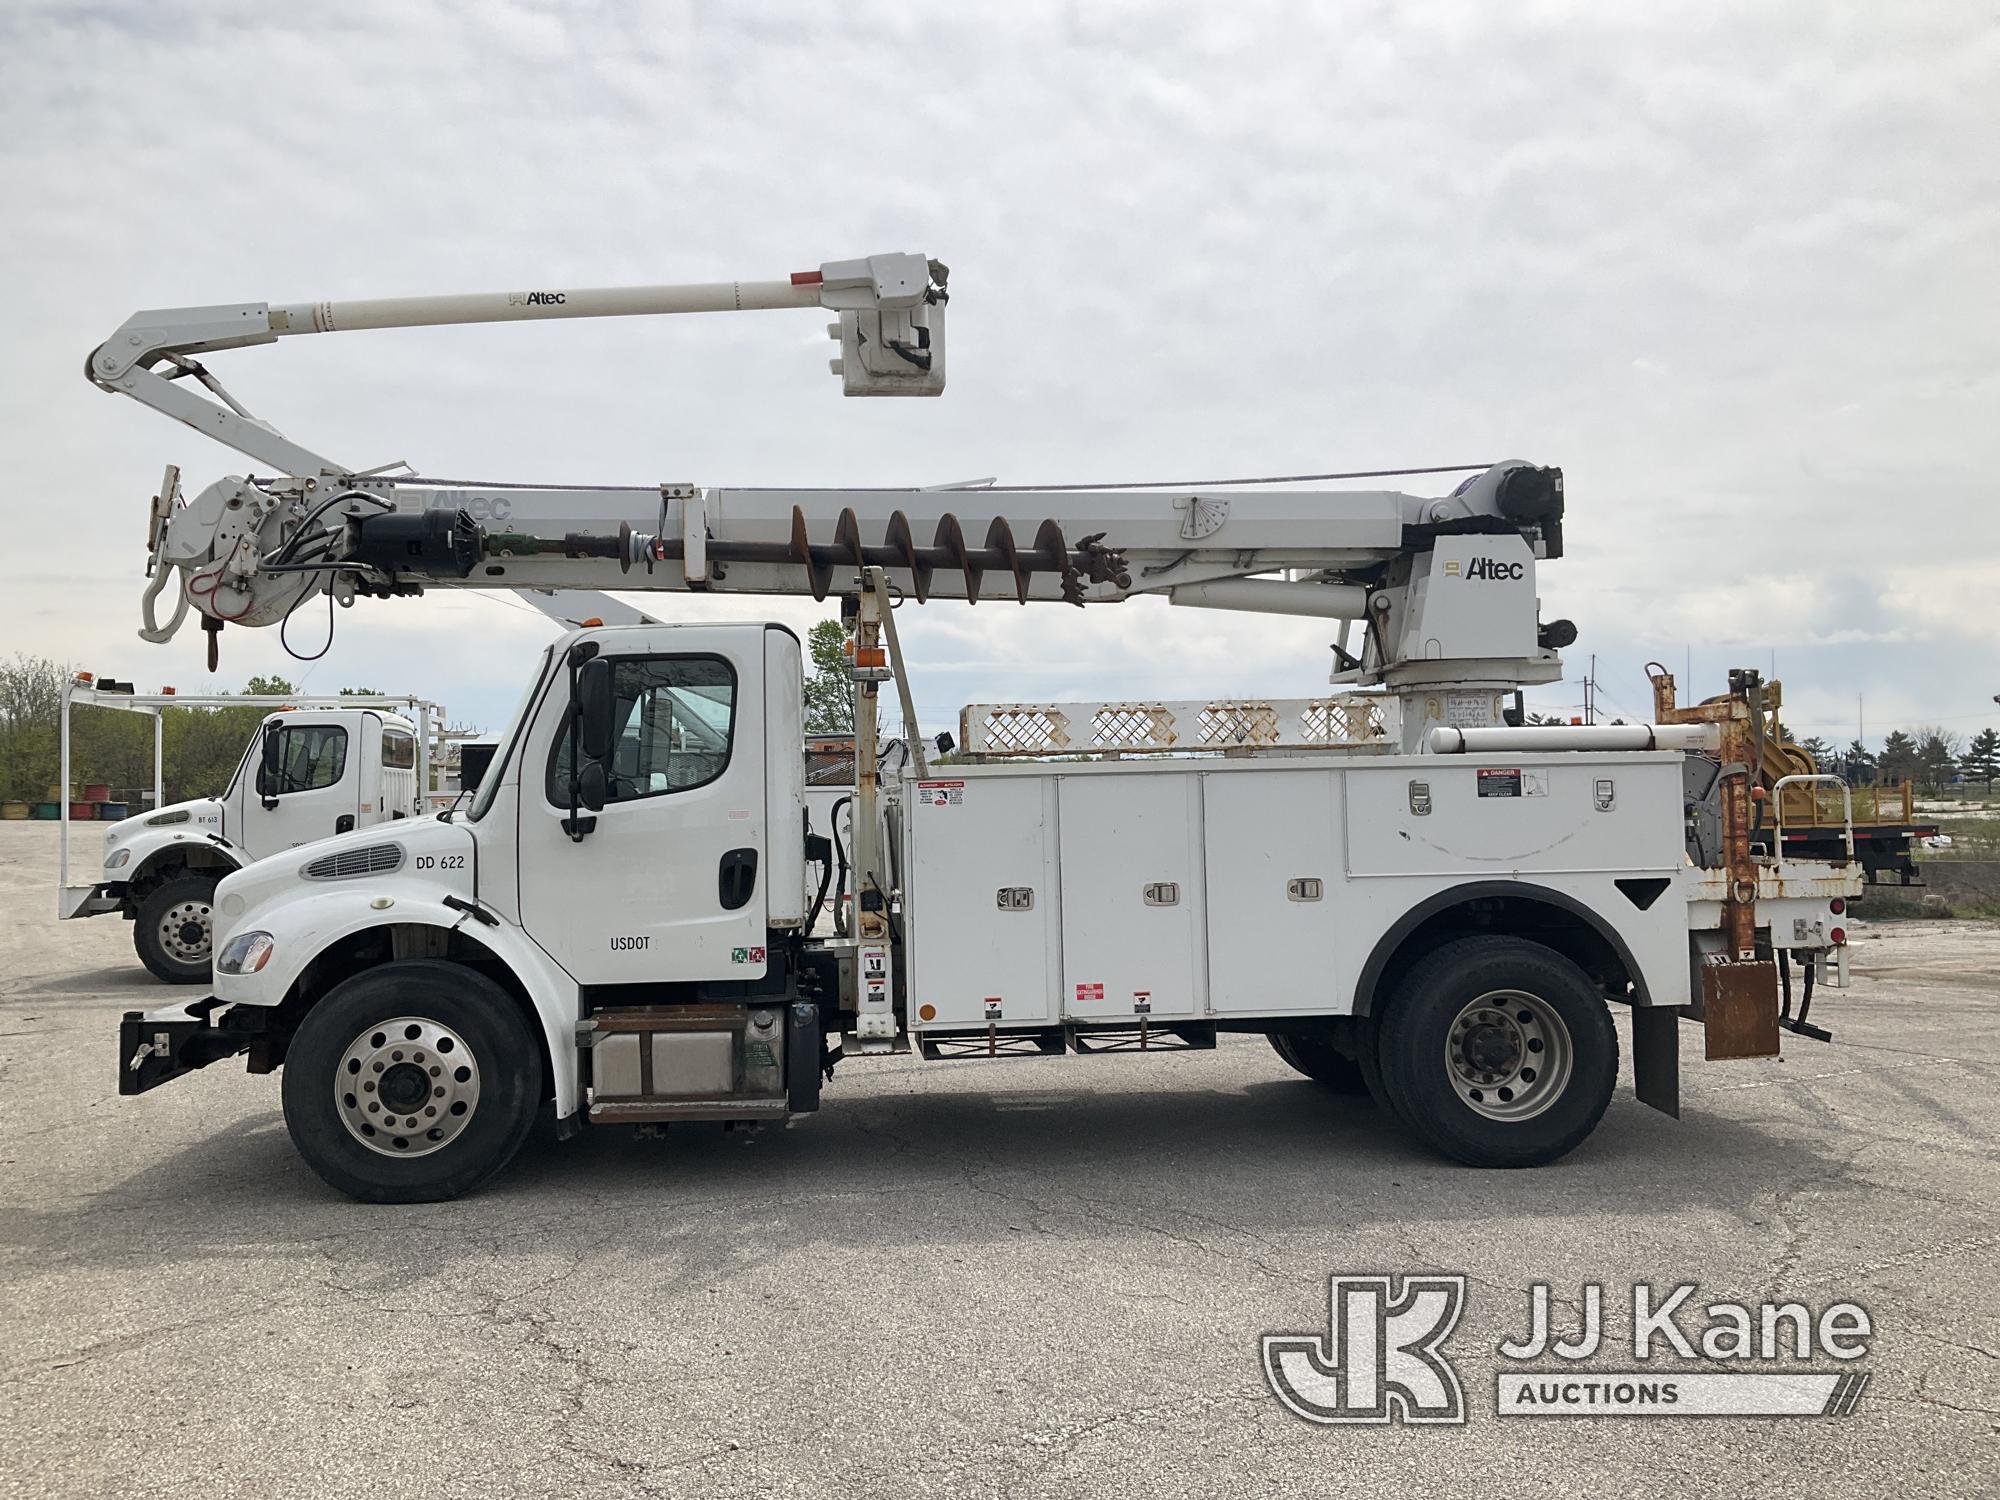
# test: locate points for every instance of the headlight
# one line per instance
(117, 859)
(246, 954)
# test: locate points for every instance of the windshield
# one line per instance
(517, 724)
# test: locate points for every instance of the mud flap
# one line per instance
(1656, 1057)
(1739, 1009)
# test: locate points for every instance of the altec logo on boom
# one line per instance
(1382, 1358)
(1486, 567)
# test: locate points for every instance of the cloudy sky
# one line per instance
(1733, 266)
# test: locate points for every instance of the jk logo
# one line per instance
(1380, 1359)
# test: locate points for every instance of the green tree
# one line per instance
(1898, 761)
(275, 686)
(31, 690)
(1937, 756)
(1981, 761)
(200, 747)
(829, 697)
(1857, 764)
(1821, 752)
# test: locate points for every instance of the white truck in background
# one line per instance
(620, 928)
(316, 767)
(342, 762)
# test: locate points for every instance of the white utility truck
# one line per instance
(316, 767)
(1412, 896)
(335, 764)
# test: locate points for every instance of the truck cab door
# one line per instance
(665, 882)
(311, 792)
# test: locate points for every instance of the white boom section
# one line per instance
(1444, 586)
(891, 333)
(570, 608)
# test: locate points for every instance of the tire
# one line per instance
(444, 1012)
(1498, 1052)
(1318, 1060)
(1368, 1055)
(165, 929)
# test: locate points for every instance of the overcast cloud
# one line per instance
(1731, 266)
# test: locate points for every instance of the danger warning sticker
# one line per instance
(1513, 783)
(940, 793)
(1090, 992)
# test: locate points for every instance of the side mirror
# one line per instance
(596, 727)
(271, 769)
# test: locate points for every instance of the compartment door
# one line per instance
(982, 898)
(1132, 897)
(1276, 897)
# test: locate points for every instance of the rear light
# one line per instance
(1837, 905)
(1839, 936)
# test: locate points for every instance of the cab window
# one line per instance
(310, 756)
(677, 718)
(399, 751)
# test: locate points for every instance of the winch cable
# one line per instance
(1117, 484)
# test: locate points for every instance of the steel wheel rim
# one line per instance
(406, 1087)
(187, 931)
(1509, 1055)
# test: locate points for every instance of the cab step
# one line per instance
(674, 1111)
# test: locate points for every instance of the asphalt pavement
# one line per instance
(1039, 1278)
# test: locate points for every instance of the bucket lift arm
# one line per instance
(1443, 586)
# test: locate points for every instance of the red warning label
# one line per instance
(1090, 992)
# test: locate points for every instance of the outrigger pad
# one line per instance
(1740, 1009)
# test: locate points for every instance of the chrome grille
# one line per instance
(376, 859)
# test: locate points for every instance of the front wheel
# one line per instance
(1498, 1052)
(174, 930)
(414, 1082)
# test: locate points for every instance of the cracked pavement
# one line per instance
(1038, 1278)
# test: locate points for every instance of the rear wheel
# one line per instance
(414, 1082)
(1498, 1052)
(1318, 1060)
(175, 928)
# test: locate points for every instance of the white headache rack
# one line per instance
(1154, 726)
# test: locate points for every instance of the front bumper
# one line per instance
(158, 1046)
(89, 900)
